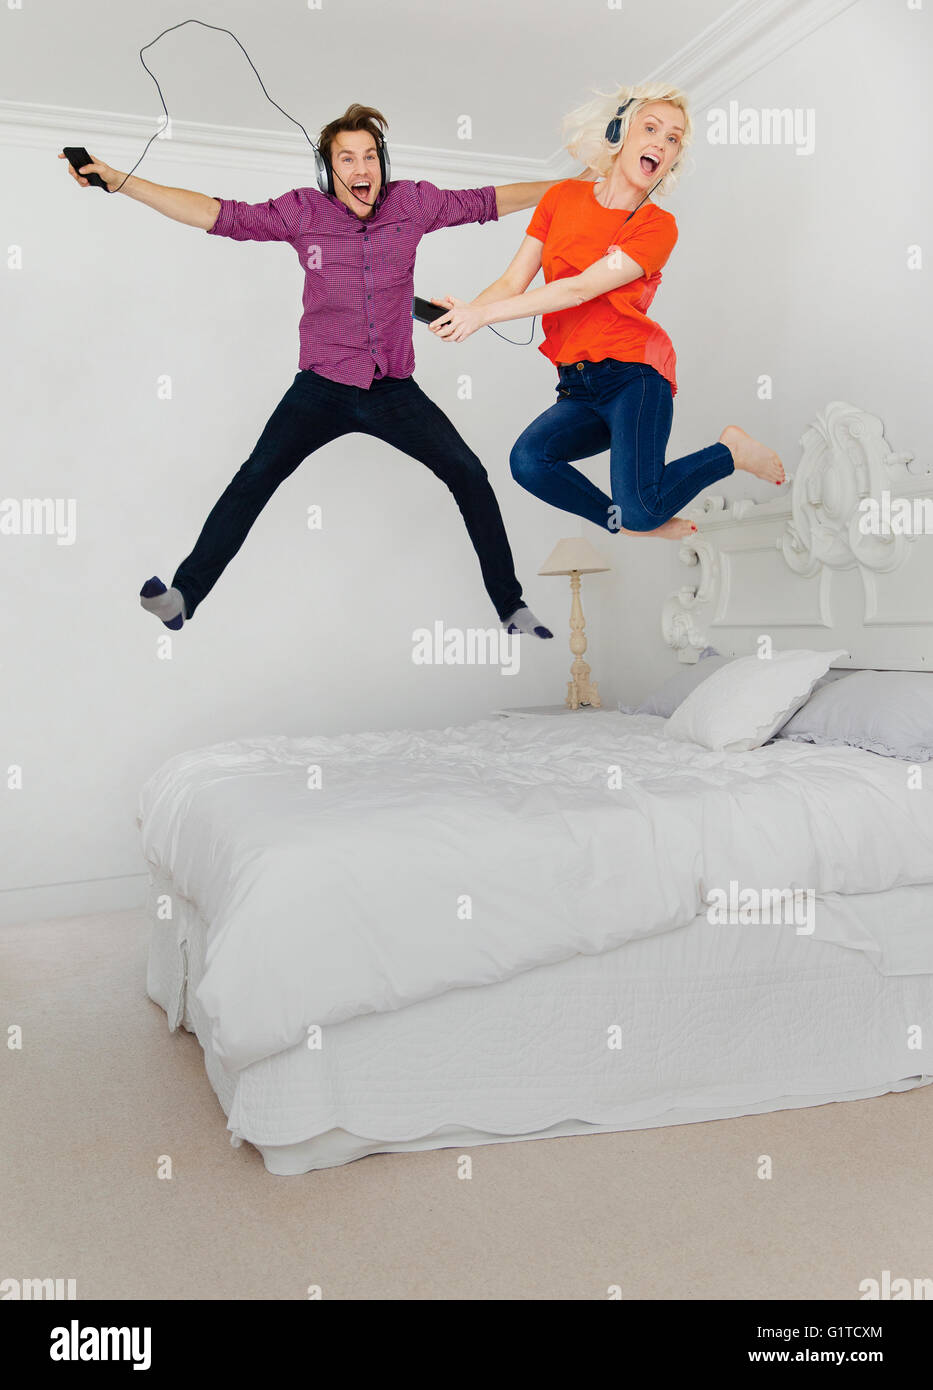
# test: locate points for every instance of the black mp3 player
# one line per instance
(78, 157)
(426, 312)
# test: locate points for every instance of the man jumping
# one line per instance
(357, 243)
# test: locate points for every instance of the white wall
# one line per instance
(496, 61)
(795, 266)
(306, 631)
(788, 266)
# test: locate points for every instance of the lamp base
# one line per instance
(581, 690)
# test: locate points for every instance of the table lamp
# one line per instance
(575, 556)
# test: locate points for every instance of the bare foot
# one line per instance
(752, 456)
(674, 530)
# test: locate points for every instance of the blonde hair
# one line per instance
(585, 127)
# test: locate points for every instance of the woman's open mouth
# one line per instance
(649, 162)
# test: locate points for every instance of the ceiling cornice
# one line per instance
(749, 36)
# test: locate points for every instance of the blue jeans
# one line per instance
(625, 407)
(315, 410)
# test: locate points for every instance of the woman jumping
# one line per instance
(602, 247)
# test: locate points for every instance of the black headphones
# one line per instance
(614, 128)
(614, 131)
(324, 173)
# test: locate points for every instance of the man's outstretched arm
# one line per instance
(455, 207)
(181, 204)
(276, 219)
(514, 197)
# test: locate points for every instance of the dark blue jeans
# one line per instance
(625, 407)
(315, 410)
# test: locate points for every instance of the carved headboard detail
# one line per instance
(843, 559)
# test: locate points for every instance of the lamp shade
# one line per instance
(574, 553)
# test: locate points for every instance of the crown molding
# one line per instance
(35, 126)
(749, 36)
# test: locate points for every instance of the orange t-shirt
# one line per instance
(577, 231)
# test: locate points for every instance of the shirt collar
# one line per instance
(377, 206)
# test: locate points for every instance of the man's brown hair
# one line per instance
(356, 117)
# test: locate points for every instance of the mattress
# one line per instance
(369, 872)
(699, 1023)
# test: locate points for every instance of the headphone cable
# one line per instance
(220, 30)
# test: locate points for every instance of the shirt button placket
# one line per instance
(368, 270)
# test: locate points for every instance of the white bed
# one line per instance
(716, 1021)
(316, 942)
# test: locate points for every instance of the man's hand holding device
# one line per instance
(85, 170)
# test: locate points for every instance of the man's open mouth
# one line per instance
(649, 162)
(362, 187)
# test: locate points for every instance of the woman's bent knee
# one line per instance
(525, 463)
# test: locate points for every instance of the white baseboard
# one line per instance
(46, 902)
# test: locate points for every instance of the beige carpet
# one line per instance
(101, 1089)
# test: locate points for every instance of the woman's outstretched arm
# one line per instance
(516, 278)
(507, 299)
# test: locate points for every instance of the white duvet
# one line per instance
(358, 874)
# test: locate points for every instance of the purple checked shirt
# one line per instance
(356, 322)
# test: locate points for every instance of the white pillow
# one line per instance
(743, 704)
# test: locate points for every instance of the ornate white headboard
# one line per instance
(806, 568)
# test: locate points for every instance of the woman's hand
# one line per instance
(462, 320)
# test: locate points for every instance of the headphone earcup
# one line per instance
(322, 173)
(614, 128)
(385, 163)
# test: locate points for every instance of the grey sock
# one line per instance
(166, 606)
(523, 620)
